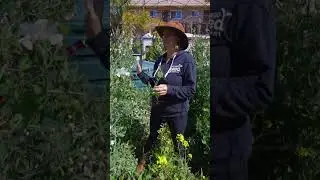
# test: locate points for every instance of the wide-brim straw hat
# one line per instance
(176, 27)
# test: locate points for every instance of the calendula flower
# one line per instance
(162, 161)
(185, 144)
(190, 156)
(180, 138)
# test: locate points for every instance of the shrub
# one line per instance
(166, 163)
(286, 137)
(156, 49)
(129, 108)
(50, 126)
(198, 129)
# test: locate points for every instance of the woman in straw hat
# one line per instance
(174, 87)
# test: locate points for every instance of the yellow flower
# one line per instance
(162, 161)
(203, 177)
(180, 138)
(185, 144)
(190, 156)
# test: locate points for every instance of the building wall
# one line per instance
(199, 23)
(146, 42)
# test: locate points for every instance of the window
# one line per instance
(195, 13)
(153, 13)
(176, 14)
(172, 14)
(165, 16)
(206, 15)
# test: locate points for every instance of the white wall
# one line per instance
(146, 42)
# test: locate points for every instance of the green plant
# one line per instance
(286, 136)
(167, 163)
(29, 11)
(156, 50)
(120, 167)
(198, 129)
(35, 118)
(129, 110)
(51, 127)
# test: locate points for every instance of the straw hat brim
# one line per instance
(184, 41)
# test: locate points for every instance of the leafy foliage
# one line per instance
(166, 163)
(141, 20)
(50, 127)
(286, 137)
(25, 10)
(129, 111)
(156, 49)
(199, 121)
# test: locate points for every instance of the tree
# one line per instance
(139, 22)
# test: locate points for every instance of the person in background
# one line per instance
(243, 63)
(96, 38)
(144, 56)
(175, 87)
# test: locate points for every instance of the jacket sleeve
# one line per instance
(100, 45)
(188, 89)
(145, 78)
(244, 95)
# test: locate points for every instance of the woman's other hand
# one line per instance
(161, 89)
(139, 68)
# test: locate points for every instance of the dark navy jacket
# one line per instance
(243, 60)
(181, 83)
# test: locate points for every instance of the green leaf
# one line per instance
(63, 28)
(25, 63)
(37, 89)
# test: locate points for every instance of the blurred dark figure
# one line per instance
(243, 60)
(96, 38)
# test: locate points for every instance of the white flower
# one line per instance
(122, 71)
(26, 42)
(207, 63)
(112, 142)
(40, 30)
(56, 39)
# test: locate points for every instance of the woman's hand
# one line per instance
(161, 89)
(139, 68)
